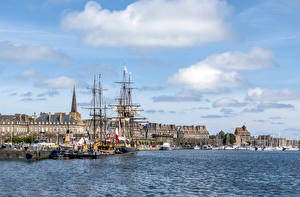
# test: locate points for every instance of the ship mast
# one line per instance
(100, 107)
(94, 107)
(97, 105)
(126, 109)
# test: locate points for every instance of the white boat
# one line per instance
(197, 147)
(229, 148)
(218, 148)
(166, 146)
(206, 147)
(258, 148)
(290, 148)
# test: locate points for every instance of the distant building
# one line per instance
(52, 127)
(13, 125)
(174, 134)
(243, 136)
(264, 140)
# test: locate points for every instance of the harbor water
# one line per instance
(158, 173)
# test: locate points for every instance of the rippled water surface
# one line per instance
(158, 173)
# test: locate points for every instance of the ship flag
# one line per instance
(117, 135)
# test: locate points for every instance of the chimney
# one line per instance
(49, 117)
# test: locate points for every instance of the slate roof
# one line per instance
(55, 118)
(14, 118)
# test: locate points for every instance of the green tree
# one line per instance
(229, 137)
(29, 139)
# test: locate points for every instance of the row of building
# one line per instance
(53, 128)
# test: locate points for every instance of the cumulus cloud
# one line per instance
(206, 79)
(266, 95)
(17, 53)
(153, 23)
(60, 83)
(218, 73)
(257, 58)
(228, 102)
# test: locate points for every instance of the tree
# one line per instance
(229, 137)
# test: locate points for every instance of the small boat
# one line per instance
(206, 147)
(124, 146)
(85, 155)
(166, 146)
(106, 148)
(196, 147)
(60, 154)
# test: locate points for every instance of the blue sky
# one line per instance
(208, 62)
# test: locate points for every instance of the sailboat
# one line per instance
(102, 143)
(127, 117)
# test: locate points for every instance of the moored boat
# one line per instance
(166, 146)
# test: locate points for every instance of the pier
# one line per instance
(26, 155)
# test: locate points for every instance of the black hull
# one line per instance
(126, 150)
(88, 155)
(165, 148)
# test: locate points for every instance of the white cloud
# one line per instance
(218, 72)
(153, 23)
(29, 74)
(26, 54)
(228, 102)
(267, 95)
(261, 107)
(206, 79)
(257, 58)
(59, 83)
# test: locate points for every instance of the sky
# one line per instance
(194, 62)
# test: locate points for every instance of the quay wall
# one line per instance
(23, 155)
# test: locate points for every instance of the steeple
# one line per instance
(74, 104)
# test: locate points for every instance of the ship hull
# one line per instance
(85, 155)
(126, 150)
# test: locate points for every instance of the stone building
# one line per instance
(174, 134)
(278, 142)
(264, 140)
(194, 135)
(51, 127)
(243, 136)
(14, 125)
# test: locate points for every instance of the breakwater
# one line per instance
(29, 155)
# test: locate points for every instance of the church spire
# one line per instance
(74, 104)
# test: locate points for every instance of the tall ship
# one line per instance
(100, 136)
(128, 119)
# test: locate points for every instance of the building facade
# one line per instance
(51, 127)
(243, 136)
